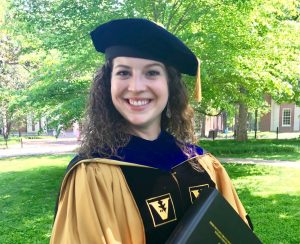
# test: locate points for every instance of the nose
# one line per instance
(136, 83)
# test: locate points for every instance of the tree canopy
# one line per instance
(247, 48)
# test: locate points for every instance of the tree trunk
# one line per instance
(6, 133)
(242, 123)
(224, 120)
(202, 121)
(6, 125)
(255, 125)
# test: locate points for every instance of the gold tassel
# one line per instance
(198, 92)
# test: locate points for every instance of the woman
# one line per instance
(137, 171)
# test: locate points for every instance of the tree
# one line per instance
(57, 47)
(238, 50)
(12, 78)
(249, 46)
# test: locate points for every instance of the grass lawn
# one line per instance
(11, 141)
(17, 140)
(263, 135)
(29, 188)
(282, 149)
(271, 196)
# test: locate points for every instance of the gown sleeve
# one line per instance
(223, 183)
(96, 206)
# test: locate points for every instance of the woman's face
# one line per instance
(139, 90)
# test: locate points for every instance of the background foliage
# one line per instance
(248, 48)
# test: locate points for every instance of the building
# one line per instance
(35, 126)
(285, 117)
(213, 123)
(206, 125)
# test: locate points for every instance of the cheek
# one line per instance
(113, 91)
(114, 87)
(165, 90)
(117, 90)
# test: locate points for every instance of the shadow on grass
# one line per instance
(266, 149)
(27, 200)
(291, 156)
(239, 170)
(276, 218)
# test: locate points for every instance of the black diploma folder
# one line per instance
(211, 219)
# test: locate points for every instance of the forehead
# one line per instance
(136, 62)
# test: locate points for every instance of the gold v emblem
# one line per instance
(161, 209)
(196, 190)
(196, 193)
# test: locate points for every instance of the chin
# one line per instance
(139, 124)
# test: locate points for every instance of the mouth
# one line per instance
(138, 102)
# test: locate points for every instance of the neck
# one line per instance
(146, 134)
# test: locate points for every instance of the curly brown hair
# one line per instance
(105, 130)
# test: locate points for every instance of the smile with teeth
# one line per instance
(135, 102)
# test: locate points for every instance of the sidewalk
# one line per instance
(69, 145)
(290, 164)
(40, 147)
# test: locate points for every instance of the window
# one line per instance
(286, 117)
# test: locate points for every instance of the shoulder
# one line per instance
(87, 171)
(98, 162)
(195, 150)
(79, 158)
(192, 149)
(73, 162)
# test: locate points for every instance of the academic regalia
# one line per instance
(137, 197)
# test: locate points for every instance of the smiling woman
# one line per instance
(137, 171)
(139, 90)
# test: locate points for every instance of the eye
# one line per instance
(123, 73)
(152, 73)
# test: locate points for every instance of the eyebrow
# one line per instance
(156, 64)
(147, 66)
(121, 66)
